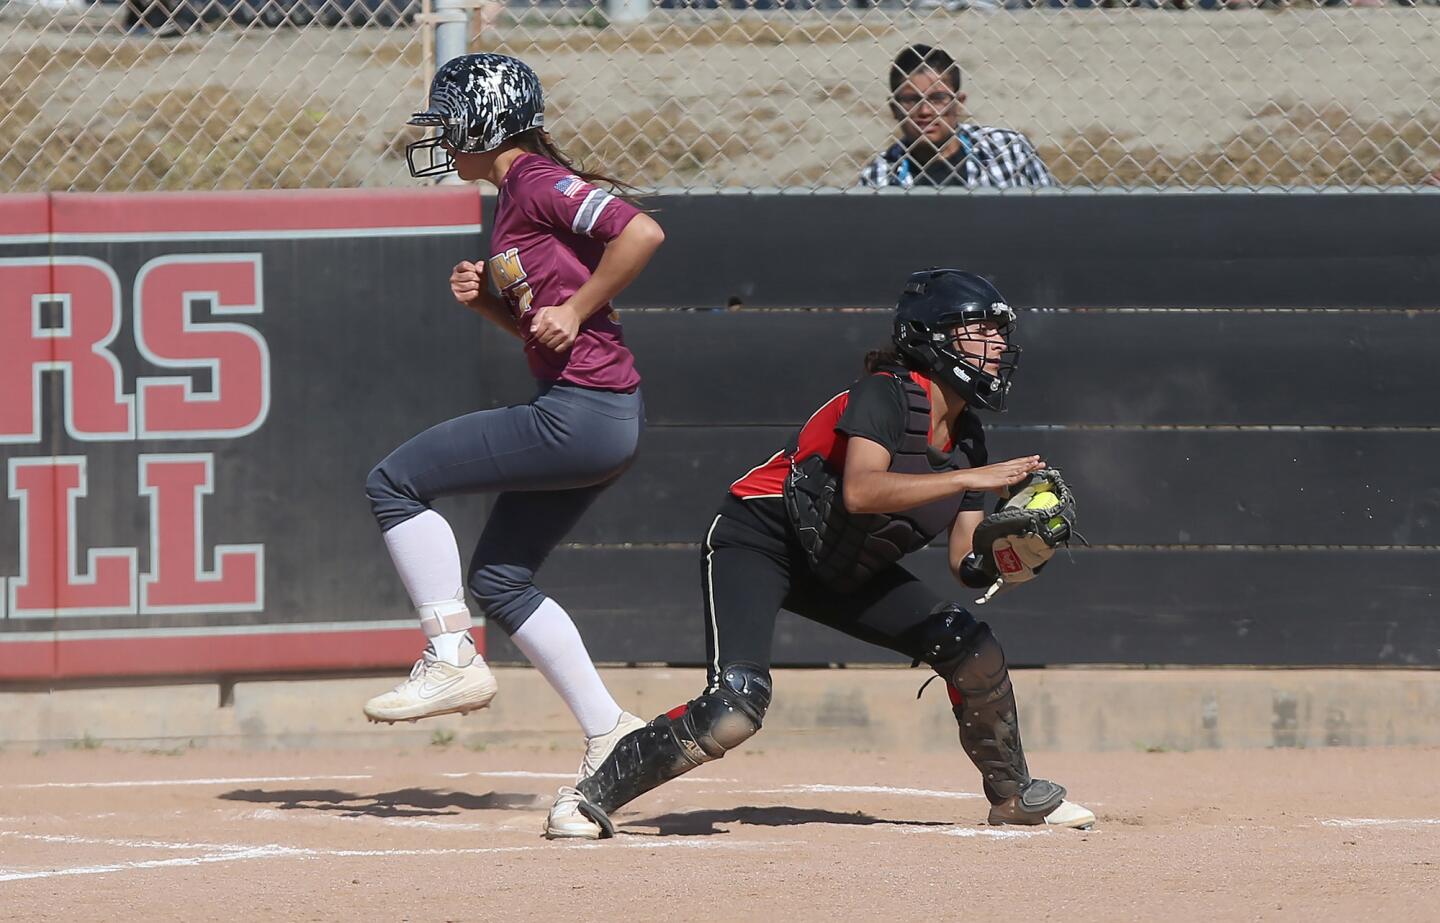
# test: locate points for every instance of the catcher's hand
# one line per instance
(1021, 536)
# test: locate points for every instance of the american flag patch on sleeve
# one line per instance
(569, 186)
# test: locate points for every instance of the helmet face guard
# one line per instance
(432, 156)
(958, 357)
(941, 330)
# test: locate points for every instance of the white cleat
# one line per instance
(1024, 807)
(1070, 814)
(566, 819)
(435, 688)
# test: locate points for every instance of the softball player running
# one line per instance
(561, 249)
(878, 472)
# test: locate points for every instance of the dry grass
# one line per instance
(405, 51)
(38, 63)
(216, 140)
(544, 38)
(222, 137)
(29, 79)
(210, 139)
(657, 146)
(1287, 144)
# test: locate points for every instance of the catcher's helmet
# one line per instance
(933, 305)
(476, 101)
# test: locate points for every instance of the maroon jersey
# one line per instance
(550, 231)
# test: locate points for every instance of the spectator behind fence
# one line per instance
(937, 147)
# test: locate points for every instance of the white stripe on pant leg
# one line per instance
(710, 595)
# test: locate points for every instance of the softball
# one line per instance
(1043, 501)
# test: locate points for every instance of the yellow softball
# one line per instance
(1043, 501)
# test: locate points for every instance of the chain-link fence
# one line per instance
(744, 94)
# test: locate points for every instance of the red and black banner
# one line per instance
(192, 389)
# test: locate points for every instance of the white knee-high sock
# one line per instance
(551, 642)
(428, 560)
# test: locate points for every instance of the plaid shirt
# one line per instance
(996, 157)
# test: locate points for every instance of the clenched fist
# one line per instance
(467, 281)
(556, 326)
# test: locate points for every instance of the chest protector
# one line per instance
(844, 549)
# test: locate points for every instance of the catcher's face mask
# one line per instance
(984, 349)
(974, 358)
(956, 327)
(984, 344)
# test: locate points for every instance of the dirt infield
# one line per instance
(451, 834)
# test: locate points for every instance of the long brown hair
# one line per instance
(538, 141)
(885, 356)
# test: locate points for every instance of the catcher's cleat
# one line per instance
(1041, 802)
(435, 688)
(1068, 814)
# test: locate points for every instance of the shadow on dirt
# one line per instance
(407, 802)
(705, 823)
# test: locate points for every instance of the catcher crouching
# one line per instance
(877, 473)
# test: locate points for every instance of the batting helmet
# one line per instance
(477, 101)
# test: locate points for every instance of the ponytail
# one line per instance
(538, 141)
(885, 356)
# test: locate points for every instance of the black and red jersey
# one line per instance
(874, 408)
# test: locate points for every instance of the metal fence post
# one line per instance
(626, 12)
(451, 20)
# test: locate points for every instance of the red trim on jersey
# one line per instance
(817, 437)
(924, 382)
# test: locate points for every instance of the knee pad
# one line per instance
(963, 651)
(731, 712)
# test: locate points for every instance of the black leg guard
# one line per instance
(681, 739)
(966, 655)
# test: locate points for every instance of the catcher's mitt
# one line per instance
(1021, 536)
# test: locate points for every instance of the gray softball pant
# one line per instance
(548, 459)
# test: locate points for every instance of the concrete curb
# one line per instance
(858, 708)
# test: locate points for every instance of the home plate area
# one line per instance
(807, 834)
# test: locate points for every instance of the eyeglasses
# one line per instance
(936, 100)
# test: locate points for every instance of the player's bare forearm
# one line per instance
(888, 492)
(624, 258)
(496, 311)
(470, 288)
(871, 488)
(962, 538)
